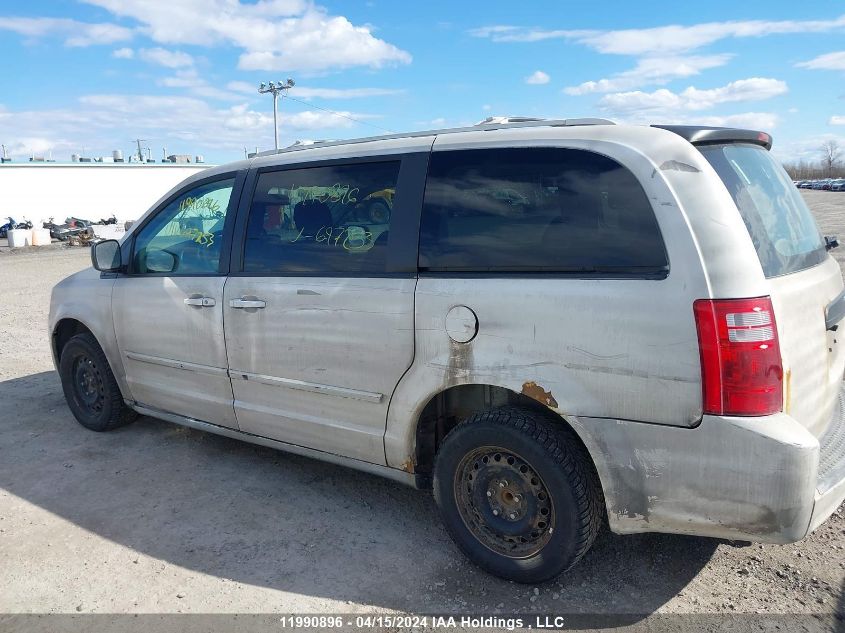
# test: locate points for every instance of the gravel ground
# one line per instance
(155, 518)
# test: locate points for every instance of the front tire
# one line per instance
(518, 494)
(89, 386)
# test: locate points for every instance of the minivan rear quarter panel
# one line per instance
(603, 348)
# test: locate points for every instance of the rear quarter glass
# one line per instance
(781, 226)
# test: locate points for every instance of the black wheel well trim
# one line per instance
(443, 411)
(65, 329)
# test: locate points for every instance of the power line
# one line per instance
(340, 114)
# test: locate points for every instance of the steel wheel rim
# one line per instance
(503, 502)
(88, 384)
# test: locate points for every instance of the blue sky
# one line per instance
(91, 75)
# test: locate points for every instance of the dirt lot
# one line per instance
(157, 518)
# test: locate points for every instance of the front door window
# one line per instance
(185, 238)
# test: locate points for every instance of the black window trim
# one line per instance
(225, 249)
(653, 274)
(606, 272)
(403, 243)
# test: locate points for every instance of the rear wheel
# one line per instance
(517, 494)
(89, 386)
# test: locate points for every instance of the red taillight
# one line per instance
(741, 368)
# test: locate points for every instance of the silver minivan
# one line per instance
(555, 325)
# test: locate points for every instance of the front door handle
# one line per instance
(203, 302)
(243, 302)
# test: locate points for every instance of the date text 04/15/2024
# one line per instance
(420, 621)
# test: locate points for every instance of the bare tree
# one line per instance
(830, 155)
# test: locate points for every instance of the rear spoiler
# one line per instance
(705, 135)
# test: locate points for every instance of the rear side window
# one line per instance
(537, 210)
(332, 219)
(781, 226)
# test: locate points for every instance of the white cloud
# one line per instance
(669, 40)
(191, 81)
(508, 33)
(278, 35)
(651, 71)
(99, 123)
(31, 145)
(753, 89)
(748, 120)
(537, 78)
(123, 53)
(75, 33)
(830, 61)
(836, 120)
(664, 51)
(765, 121)
(242, 86)
(808, 148)
(343, 93)
(306, 92)
(242, 118)
(166, 58)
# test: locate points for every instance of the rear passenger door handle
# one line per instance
(246, 303)
(203, 302)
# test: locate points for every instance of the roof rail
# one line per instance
(509, 119)
(525, 121)
(490, 123)
(306, 142)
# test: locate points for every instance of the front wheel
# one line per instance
(517, 494)
(89, 385)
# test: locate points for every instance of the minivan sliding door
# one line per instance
(320, 319)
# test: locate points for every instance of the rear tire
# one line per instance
(89, 386)
(518, 494)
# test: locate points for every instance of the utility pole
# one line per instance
(5, 157)
(275, 88)
(140, 154)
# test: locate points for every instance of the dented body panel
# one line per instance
(86, 297)
(736, 478)
(739, 478)
(348, 340)
(348, 368)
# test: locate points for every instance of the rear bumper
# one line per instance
(756, 479)
(830, 485)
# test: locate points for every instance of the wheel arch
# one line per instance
(449, 406)
(65, 329)
(68, 326)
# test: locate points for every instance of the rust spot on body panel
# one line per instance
(535, 391)
(408, 465)
(787, 400)
(676, 165)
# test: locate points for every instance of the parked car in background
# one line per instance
(557, 325)
(838, 185)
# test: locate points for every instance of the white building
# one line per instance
(39, 191)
